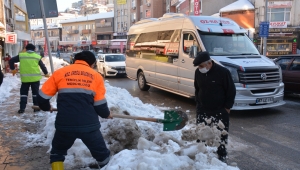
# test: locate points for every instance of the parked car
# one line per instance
(290, 65)
(111, 64)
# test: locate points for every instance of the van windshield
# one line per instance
(114, 58)
(228, 44)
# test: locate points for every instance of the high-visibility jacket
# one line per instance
(29, 67)
(81, 97)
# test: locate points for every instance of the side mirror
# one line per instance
(193, 51)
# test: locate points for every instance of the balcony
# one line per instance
(72, 31)
(86, 31)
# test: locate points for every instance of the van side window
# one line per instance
(295, 65)
(283, 63)
(147, 37)
(188, 40)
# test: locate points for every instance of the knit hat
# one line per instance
(86, 56)
(30, 47)
(201, 57)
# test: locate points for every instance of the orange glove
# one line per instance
(14, 72)
(47, 75)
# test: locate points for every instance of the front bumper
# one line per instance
(246, 100)
(113, 72)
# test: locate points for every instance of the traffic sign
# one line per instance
(11, 38)
(264, 29)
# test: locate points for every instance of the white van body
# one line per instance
(158, 55)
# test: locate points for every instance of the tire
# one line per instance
(142, 82)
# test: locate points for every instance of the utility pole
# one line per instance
(265, 38)
(46, 34)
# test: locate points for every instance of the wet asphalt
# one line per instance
(264, 139)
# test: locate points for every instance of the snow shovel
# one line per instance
(173, 119)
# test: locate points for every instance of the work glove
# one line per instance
(47, 75)
(14, 72)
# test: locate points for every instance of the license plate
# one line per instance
(264, 100)
(121, 71)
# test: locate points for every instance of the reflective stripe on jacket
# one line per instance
(81, 97)
(29, 67)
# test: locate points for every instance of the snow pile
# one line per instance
(237, 6)
(135, 145)
(9, 82)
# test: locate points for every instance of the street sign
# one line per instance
(264, 29)
(11, 38)
(34, 9)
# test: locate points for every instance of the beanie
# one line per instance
(201, 57)
(86, 56)
(30, 47)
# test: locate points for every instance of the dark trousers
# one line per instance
(35, 86)
(216, 115)
(94, 141)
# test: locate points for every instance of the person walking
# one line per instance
(214, 94)
(30, 64)
(6, 59)
(81, 99)
(1, 75)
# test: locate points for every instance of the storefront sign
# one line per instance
(284, 29)
(94, 42)
(103, 42)
(11, 38)
(121, 2)
(197, 7)
(279, 24)
(115, 43)
(278, 52)
(280, 4)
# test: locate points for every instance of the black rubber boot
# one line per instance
(222, 153)
(21, 111)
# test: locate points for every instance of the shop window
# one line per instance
(295, 65)
(279, 14)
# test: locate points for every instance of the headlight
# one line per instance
(234, 74)
(111, 67)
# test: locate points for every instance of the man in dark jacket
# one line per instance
(81, 99)
(214, 94)
(1, 75)
(30, 64)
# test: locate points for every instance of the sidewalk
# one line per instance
(13, 154)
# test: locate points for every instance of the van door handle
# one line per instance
(182, 61)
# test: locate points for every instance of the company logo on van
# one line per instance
(215, 22)
(263, 76)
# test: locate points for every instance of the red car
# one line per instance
(290, 65)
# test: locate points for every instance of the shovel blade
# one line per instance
(174, 120)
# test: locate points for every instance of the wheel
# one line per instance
(142, 82)
(104, 73)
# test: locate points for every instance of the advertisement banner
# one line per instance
(278, 24)
(121, 2)
(197, 7)
(280, 4)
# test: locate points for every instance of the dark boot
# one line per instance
(222, 153)
(21, 111)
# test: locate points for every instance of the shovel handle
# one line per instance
(121, 116)
(135, 118)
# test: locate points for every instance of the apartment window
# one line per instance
(118, 25)
(191, 6)
(148, 13)
(118, 11)
(178, 10)
(279, 14)
(142, 2)
(93, 26)
(141, 15)
(133, 3)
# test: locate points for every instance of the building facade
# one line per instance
(284, 28)
(196, 7)
(38, 38)
(82, 33)
(54, 22)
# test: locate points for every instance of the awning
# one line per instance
(22, 35)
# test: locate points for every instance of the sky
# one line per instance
(64, 4)
(136, 145)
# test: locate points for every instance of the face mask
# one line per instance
(203, 70)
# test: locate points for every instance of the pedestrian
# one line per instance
(81, 99)
(6, 60)
(214, 94)
(1, 75)
(30, 64)
(42, 53)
